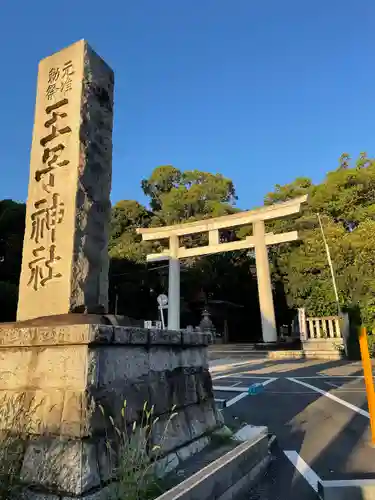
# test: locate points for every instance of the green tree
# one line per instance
(176, 197)
(12, 227)
(184, 196)
(346, 202)
(161, 181)
(124, 242)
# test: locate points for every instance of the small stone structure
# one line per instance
(324, 337)
(55, 370)
(62, 370)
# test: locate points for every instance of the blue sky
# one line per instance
(259, 90)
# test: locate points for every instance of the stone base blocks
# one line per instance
(324, 348)
(58, 381)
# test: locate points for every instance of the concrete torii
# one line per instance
(260, 240)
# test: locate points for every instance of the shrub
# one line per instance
(371, 344)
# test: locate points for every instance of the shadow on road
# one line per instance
(333, 439)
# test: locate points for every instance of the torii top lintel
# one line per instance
(212, 226)
(276, 211)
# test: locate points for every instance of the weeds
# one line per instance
(133, 455)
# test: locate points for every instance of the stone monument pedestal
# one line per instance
(55, 377)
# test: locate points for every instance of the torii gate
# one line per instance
(260, 240)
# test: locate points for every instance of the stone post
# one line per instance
(264, 284)
(302, 324)
(174, 285)
(345, 330)
(65, 256)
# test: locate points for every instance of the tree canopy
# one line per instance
(346, 202)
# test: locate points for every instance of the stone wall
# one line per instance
(64, 373)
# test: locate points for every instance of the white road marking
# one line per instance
(351, 390)
(243, 391)
(226, 388)
(329, 376)
(313, 479)
(344, 483)
(217, 377)
(305, 470)
(291, 392)
(269, 381)
(331, 396)
(229, 366)
(236, 398)
(238, 375)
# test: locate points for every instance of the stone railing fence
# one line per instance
(327, 327)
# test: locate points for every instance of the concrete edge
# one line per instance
(186, 489)
(247, 480)
(249, 432)
(228, 366)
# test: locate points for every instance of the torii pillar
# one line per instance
(259, 241)
(267, 310)
(174, 285)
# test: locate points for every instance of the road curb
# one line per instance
(229, 475)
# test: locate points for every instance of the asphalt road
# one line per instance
(317, 410)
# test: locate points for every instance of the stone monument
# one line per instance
(65, 257)
(59, 362)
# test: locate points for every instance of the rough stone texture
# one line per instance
(323, 345)
(106, 493)
(31, 495)
(166, 465)
(309, 354)
(171, 434)
(202, 418)
(70, 465)
(65, 257)
(11, 334)
(52, 377)
(203, 338)
(191, 449)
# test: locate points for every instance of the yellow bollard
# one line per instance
(369, 381)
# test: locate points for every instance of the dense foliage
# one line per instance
(345, 201)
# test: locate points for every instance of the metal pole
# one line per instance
(369, 381)
(116, 304)
(330, 264)
(162, 317)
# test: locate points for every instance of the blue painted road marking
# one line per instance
(255, 389)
